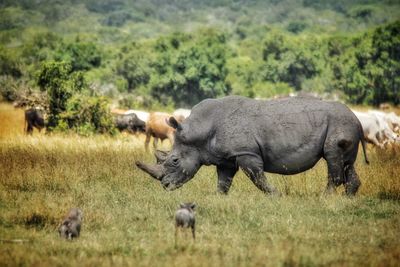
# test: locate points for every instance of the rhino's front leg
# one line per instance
(225, 177)
(253, 167)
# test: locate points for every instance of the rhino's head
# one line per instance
(174, 168)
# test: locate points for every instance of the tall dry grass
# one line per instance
(128, 217)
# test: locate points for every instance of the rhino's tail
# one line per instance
(362, 139)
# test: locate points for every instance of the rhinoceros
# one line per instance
(284, 136)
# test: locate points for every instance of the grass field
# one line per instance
(128, 217)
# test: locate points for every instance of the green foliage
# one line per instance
(362, 12)
(188, 71)
(9, 90)
(296, 26)
(81, 55)
(60, 83)
(135, 67)
(40, 47)
(12, 18)
(158, 52)
(289, 60)
(9, 64)
(368, 70)
(87, 115)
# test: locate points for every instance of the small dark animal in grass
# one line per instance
(71, 226)
(185, 218)
(34, 118)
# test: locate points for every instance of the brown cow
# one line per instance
(158, 128)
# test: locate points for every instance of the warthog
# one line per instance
(71, 226)
(185, 218)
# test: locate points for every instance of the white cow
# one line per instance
(142, 115)
(376, 130)
(181, 112)
(391, 118)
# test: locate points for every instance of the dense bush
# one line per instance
(9, 64)
(368, 69)
(60, 83)
(188, 71)
(81, 55)
(87, 115)
(289, 60)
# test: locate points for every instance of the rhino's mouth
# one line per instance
(169, 184)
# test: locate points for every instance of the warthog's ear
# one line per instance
(174, 123)
(193, 205)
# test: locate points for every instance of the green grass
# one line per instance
(128, 217)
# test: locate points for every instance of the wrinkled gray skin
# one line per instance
(130, 123)
(185, 218)
(71, 226)
(284, 136)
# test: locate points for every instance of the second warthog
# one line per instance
(285, 136)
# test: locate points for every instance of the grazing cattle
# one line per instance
(181, 113)
(142, 115)
(375, 129)
(185, 218)
(158, 128)
(34, 118)
(71, 226)
(391, 119)
(284, 136)
(130, 123)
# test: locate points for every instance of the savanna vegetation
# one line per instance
(128, 217)
(83, 56)
(176, 53)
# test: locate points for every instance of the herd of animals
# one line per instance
(284, 136)
(380, 128)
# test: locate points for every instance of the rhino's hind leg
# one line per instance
(225, 178)
(253, 168)
(335, 171)
(352, 182)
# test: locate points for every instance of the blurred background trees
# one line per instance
(148, 54)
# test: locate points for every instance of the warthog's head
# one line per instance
(174, 168)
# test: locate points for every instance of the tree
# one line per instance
(82, 56)
(9, 65)
(191, 70)
(368, 71)
(60, 83)
(135, 67)
(288, 60)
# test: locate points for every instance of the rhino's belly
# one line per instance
(292, 157)
(292, 165)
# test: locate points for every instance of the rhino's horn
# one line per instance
(156, 171)
(161, 156)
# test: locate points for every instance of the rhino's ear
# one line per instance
(193, 205)
(174, 123)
